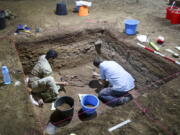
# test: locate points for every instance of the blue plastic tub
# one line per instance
(131, 26)
(61, 9)
(89, 100)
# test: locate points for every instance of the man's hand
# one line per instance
(64, 83)
(29, 89)
(40, 102)
(95, 75)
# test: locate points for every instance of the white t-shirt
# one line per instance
(118, 77)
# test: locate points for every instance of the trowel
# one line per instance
(174, 54)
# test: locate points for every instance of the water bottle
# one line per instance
(6, 76)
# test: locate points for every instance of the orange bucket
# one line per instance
(83, 11)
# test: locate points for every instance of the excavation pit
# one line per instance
(74, 63)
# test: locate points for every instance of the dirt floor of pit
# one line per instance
(16, 113)
(80, 79)
(80, 82)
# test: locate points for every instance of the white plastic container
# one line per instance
(50, 129)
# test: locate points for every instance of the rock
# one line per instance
(98, 42)
(175, 95)
(72, 134)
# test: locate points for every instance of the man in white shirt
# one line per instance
(41, 81)
(120, 82)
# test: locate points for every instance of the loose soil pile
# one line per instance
(89, 106)
(64, 107)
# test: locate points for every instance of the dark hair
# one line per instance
(51, 54)
(97, 61)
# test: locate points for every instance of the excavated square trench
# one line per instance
(74, 63)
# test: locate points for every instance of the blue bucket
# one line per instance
(89, 104)
(61, 9)
(131, 26)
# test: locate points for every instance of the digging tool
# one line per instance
(158, 53)
(119, 125)
(173, 53)
(71, 84)
(178, 48)
(154, 46)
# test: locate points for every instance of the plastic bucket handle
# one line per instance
(173, 4)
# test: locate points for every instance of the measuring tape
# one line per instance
(158, 53)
